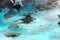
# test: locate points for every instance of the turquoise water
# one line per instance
(44, 27)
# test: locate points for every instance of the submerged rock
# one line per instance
(58, 16)
(13, 31)
(12, 35)
(59, 23)
(17, 7)
(27, 19)
(45, 4)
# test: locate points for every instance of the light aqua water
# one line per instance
(44, 27)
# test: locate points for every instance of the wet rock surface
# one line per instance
(27, 19)
(58, 16)
(59, 23)
(12, 35)
(17, 7)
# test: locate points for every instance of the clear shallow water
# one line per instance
(44, 27)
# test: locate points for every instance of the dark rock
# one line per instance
(27, 19)
(59, 23)
(49, 3)
(38, 7)
(59, 16)
(12, 35)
